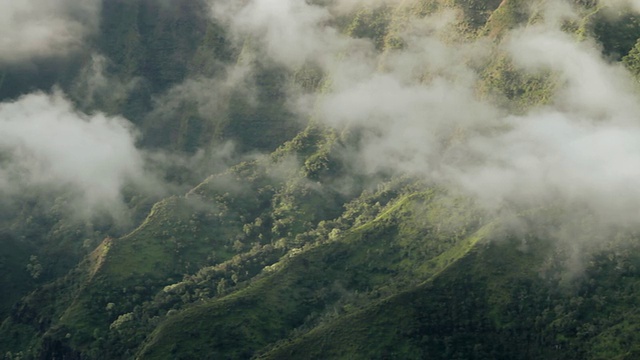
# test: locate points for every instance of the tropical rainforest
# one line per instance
(320, 179)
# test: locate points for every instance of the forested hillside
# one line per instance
(321, 179)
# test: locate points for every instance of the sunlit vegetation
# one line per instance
(290, 252)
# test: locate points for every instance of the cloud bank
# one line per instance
(41, 28)
(288, 32)
(46, 143)
(623, 4)
(419, 111)
(581, 148)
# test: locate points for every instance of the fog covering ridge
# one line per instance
(421, 113)
(40, 28)
(416, 104)
(406, 98)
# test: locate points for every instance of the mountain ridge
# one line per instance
(302, 250)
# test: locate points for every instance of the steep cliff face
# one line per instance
(395, 179)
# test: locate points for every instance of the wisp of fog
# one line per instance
(417, 105)
(47, 143)
(34, 29)
(422, 114)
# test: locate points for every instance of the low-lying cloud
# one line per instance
(41, 28)
(288, 32)
(623, 4)
(418, 108)
(47, 143)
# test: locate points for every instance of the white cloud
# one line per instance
(418, 112)
(45, 142)
(289, 32)
(39, 28)
(623, 4)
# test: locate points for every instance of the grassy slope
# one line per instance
(401, 325)
(376, 258)
(179, 236)
(176, 238)
(126, 270)
(491, 304)
(389, 328)
(373, 275)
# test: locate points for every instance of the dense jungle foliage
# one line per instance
(286, 252)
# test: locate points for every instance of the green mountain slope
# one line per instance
(296, 252)
(493, 303)
(373, 259)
